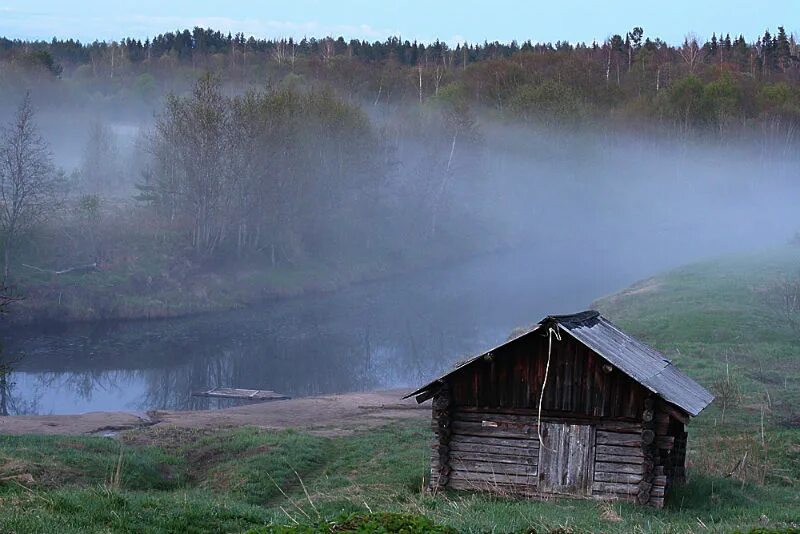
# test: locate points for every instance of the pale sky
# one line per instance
(471, 20)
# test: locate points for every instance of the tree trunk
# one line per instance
(3, 391)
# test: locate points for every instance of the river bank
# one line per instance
(326, 415)
(136, 289)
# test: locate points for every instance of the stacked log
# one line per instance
(618, 462)
(440, 463)
(652, 460)
(493, 452)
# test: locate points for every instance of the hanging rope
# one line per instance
(550, 332)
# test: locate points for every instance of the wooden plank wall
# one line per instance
(577, 383)
(499, 452)
(566, 458)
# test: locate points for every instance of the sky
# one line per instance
(450, 21)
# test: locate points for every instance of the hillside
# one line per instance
(739, 313)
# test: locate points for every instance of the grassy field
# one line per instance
(717, 320)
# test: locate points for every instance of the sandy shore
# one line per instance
(326, 415)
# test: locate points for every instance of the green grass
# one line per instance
(249, 479)
(709, 317)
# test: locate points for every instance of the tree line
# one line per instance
(704, 84)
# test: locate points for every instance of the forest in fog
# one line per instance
(159, 166)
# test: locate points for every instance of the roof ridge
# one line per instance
(580, 317)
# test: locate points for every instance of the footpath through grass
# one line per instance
(717, 320)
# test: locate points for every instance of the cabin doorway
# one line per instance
(566, 461)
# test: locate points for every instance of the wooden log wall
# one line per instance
(440, 462)
(650, 451)
(499, 452)
(619, 462)
(494, 452)
(664, 449)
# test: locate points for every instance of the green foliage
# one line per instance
(722, 99)
(686, 102)
(550, 103)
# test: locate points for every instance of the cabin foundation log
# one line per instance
(440, 468)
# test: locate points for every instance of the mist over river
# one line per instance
(393, 333)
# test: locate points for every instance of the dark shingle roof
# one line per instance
(642, 363)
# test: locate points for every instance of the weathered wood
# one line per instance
(528, 442)
(497, 458)
(660, 480)
(478, 429)
(611, 487)
(530, 416)
(523, 452)
(564, 463)
(622, 451)
(500, 478)
(657, 491)
(618, 439)
(648, 436)
(492, 467)
(618, 458)
(625, 478)
(656, 502)
(618, 468)
(617, 426)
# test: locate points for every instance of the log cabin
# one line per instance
(575, 407)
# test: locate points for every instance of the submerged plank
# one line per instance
(243, 394)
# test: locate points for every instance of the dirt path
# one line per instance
(326, 415)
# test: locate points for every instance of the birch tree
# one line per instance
(27, 179)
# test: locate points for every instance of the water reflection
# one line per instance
(387, 334)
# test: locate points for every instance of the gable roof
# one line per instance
(641, 362)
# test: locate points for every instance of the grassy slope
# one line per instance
(248, 479)
(720, 318)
